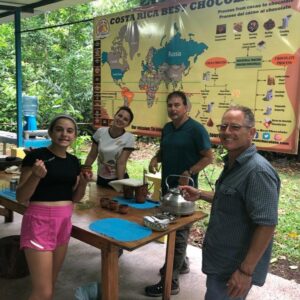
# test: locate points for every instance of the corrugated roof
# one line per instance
(32, 7)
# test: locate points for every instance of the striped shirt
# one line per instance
(246, 196)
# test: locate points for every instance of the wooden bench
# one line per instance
(7, 137)
(40, 139)
(35, 133)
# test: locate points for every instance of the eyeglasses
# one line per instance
(232, 127)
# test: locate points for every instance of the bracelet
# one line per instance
(243, 272)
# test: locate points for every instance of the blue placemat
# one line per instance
(131, 202)
(121, 230)
(7, 193)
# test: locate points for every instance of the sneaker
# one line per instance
(156, 290)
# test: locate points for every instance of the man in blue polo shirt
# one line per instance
(238, 242)
(185, 149)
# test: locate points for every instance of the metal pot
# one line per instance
(174, 202)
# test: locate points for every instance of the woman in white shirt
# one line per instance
(113, 146)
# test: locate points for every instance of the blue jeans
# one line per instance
(216, 289)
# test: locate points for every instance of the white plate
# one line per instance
(118, 184)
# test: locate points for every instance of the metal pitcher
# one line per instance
(174, 202)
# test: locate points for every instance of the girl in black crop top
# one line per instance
(50, 182)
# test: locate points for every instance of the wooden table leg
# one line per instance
(110, 273)
(169, 265)
(4, 148)
(10, 216)
(7, 213)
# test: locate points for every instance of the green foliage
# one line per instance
(105, 7)
(135, 168)
(60, 61)
(80, 146)
(8, 105)
(287, 236)
(56, 62)
(219, 153)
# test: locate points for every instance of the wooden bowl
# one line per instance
(113, 205)
(123, 209)
(105, 202)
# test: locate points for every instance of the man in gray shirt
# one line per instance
(238, 242)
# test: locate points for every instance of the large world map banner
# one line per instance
(219, 52)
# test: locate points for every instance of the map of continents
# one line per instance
(169, 63)
(117, 57)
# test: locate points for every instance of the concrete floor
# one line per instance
(137, 269)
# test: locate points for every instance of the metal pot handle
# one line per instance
(190, 179)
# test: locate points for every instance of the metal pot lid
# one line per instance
(175, 191)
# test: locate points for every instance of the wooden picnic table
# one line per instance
(85, 213)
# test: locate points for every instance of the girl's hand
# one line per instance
(190, 193)
(39, 169)
(87, 173)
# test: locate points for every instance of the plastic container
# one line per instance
(30, 106)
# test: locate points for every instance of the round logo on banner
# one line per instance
(102, 29)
